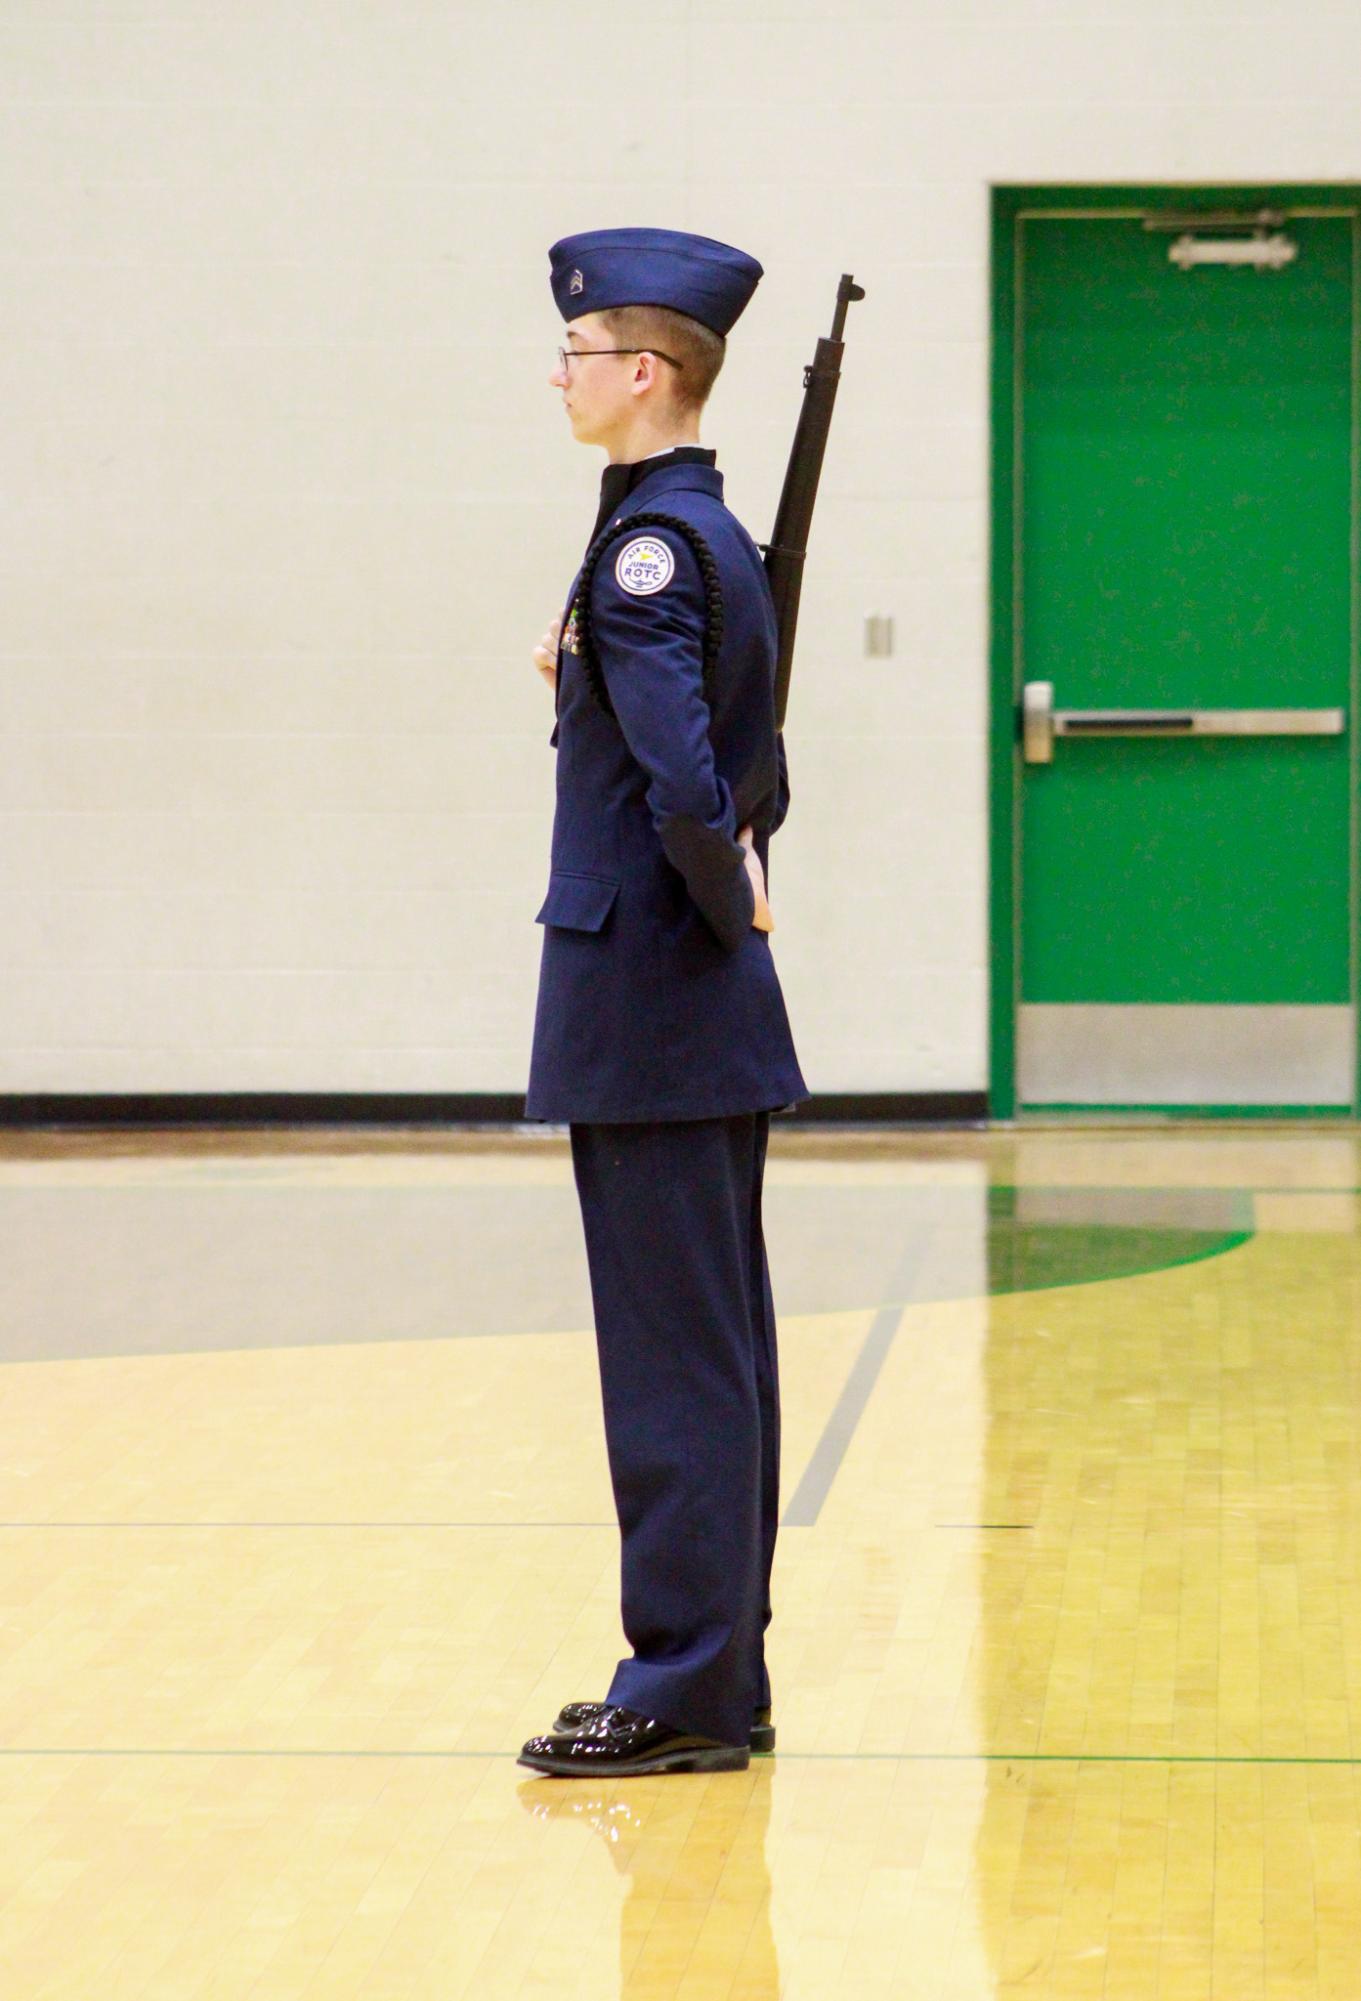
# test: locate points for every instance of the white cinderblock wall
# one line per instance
(287, 499)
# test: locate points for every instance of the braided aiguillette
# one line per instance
(713, 599)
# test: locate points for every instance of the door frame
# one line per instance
(1011, 205)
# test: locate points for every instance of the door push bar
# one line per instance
(1041, 722)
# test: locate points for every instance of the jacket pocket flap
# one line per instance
(578, 902)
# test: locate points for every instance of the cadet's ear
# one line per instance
(645, 368)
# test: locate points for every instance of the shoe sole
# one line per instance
(722, 1758)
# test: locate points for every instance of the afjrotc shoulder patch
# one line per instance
(644, 565)
(571, 637)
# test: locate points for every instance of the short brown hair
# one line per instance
(697, 348)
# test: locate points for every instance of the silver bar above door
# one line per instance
(1042, 722)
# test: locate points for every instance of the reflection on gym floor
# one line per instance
(305, 1524)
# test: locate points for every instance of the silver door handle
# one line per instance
(1041, 722)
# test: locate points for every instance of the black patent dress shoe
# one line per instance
(573, 1714)
(619, 1743)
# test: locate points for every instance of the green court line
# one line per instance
(1231, 1241)
(1055, 1758)
(793, 1757)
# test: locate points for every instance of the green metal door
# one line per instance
(1184, 645)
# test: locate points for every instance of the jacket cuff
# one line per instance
(714, 868)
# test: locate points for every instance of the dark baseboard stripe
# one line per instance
(27, 1109)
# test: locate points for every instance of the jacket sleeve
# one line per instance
(650, 648)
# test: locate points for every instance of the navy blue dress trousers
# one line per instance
(685, 1334)
(661, 1038)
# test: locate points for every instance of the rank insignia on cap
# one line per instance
(578, 284)
(645, 565)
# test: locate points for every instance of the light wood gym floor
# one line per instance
(305, 1525)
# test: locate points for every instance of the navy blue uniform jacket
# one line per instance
(657, 998)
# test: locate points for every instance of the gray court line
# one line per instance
(805, 1503)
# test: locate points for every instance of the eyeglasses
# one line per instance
(566, 354)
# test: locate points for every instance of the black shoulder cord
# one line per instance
(713, 599)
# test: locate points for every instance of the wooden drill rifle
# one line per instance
(788, 545)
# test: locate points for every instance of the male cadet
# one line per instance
(661, 1036)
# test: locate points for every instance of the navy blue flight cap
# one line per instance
(709, 281)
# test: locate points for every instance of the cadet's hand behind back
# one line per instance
(546, 653)
(761, 918)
